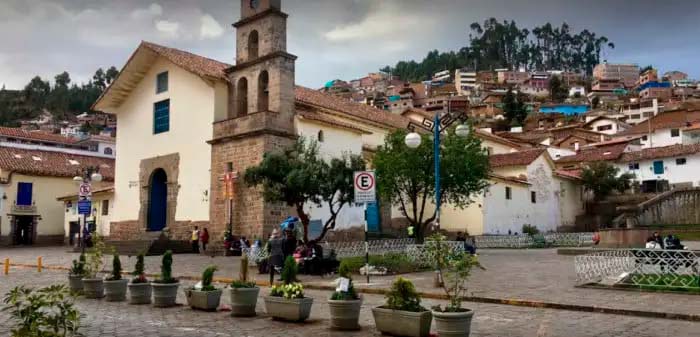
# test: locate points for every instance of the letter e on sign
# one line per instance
(365, 187)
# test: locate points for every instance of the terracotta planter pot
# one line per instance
(402, 323)
(139, 293)
(243, 301)
(115, 291)
(453, 324)
(75, 282)
(164, 294)
(295, 310)
(203, 300)
(345, 315)
(93, 288)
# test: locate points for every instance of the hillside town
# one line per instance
(529, 168)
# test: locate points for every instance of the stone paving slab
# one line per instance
(120, 319)
(528, 274)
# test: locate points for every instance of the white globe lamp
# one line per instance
(413, 140)
(96, 177)
(462, 130)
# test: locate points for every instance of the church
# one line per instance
(186, 121)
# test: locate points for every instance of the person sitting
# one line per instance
(652, 244)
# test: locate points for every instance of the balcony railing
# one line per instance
(24, 209)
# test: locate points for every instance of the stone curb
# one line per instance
(476, 299)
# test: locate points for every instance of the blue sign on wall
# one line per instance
(84, 207)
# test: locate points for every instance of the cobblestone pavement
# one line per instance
(123, 320)
(535, 275)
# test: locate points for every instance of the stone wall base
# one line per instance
(178, 231)
(40, 240)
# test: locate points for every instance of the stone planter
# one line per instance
(453, 324)
(93, 288)
(115, 291)
(75, 282)
(243, 301)
(203, 300)
(164, 294)
(295, 310)
(402, 323)
(345, 315)
(139, 293)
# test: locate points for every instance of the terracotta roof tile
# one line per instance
(321, 118)
(104, 190)
(521, 158)
(37, 136)
(517, 180)
(569, 174)
(498, 139)
(361, 111)
(665, 120)
(661, 152)
(602, 153)
(52, 164)
(197, 64)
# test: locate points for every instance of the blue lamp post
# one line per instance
(413, 140)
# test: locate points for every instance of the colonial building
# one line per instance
(185, 121)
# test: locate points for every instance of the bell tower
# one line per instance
(260, 118)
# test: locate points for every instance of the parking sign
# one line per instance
(365, 187)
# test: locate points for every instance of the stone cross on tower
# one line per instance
(260, 117)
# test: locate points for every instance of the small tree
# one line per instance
(289, 271)
(166, 269)
(558, 91)
(514, 108)
(208, 278)
(116, 268)
(299, 177)
(139, 274)
(603, 178)
(406, 177)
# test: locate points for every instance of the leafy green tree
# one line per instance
(406, 177)
(514, 108)
(558, 91)
(602, 179)
(595, 103)
(111, 75)
(299, 176)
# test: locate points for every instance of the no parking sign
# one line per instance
(365, 187)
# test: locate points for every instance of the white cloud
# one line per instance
(168, 28)
(154, 10)
(210, 29)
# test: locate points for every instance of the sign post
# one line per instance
(365, 184)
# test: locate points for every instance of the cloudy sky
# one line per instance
(333, 38)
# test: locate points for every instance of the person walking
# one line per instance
(204, 238)
(276, 250)
(195, 240)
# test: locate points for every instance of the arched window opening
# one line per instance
(320, 136)
(242, 96)
(253, 44)
(263, 91)
(108, 151)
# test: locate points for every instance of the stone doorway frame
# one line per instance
(171, 165)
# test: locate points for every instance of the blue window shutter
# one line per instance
(162, 82)
(659, 167)
(161, 117)
(24, 194)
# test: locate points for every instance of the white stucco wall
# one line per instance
(571, 202)
(661, 138)
(501, 215)
(496, 148)
(102, 221)
(675, 174)
(614, 127)
(546, 214)
(193, 104)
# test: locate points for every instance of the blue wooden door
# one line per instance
(659, 167)
(158, 206)
(24, 194)
(373, 218)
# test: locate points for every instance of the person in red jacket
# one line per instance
(204, 239)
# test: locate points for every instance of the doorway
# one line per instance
(158, 201)
(23, 230)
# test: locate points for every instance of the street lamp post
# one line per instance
(85, 177)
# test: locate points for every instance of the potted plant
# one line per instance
(345, 304)
(76, 274)
(243, 293)
(93, 286)
(139, 288)
(402, 315)
(455, 268)
(115, 285)
(165, 288)
(287, 301)
(204, 296)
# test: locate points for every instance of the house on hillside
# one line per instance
(664, 129)
(654, 168)
(30, 182)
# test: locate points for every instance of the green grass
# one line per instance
(691, 236)
(395, 263)
(667, 282)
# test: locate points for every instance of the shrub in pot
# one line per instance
(139, 288)
(455, 268)
(93, 286)
(48, 311)
(204, 296)
(345, 304)
(115, 285)
(287, 301)
(243, 293)
(76, 274)
(402, 315)
(165, 287)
